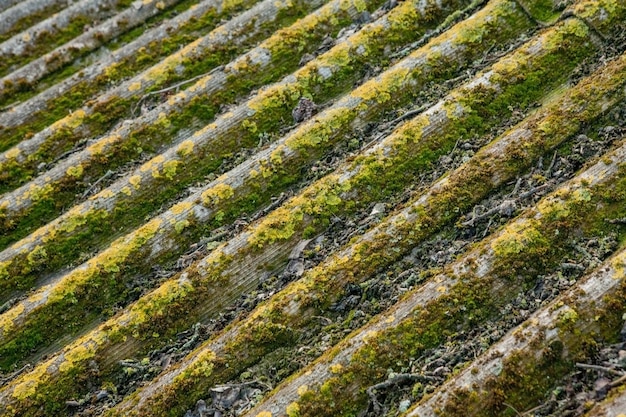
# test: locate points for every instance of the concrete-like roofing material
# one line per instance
(312, 208)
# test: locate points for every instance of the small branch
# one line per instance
(571, 265)
(174, 87)
(600, 369)
(535, 190)
(102, 178)
(616, 221)
(517, 186)
(15, 374)
(409, 114)
(619, 381)
(132, 364)
(513, 408)
(398, 379)
(552, 163)
(324, 319)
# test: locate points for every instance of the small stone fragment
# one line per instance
(304, 110)
(102, 395)
(404, 405)
(379, 208)
(306, 58)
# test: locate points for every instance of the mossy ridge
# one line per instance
(545, 348)
(121, 146)
(469, 299)
(136, 210)
(329, 197)
(85, 90)
(72, 23)
(242, 79)
(22, 92)
(16, 93)
(289, 313)
(150, 172)
(322, 285)
(33, 18)
(92, 222)
(592, 12)
(68, 54)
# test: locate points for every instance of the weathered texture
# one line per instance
(348, 369)
(158, 206)
(92, 38)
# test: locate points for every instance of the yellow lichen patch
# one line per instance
(4, 271)
(160, 5)
(380, 90)
(175, 98)
(201, 367)
(13, 153)
(581, 195)
(107, 193)
(75, 171)
(302, 389)
(229, 5)
(169, 169)
(204, 130)
(121, 249)
(80, 353)
(126, 190)
(336, 368)
(216, 194)
(27, 384)
(516, 238)
(264, 414)
(37, 193)
(276, 156)
(619, 265)
(185, 148)
(280, 226)
(182, 207)
(26, 37)
(135, 180)
(293, 410)
(37, 256)
(153, 165)
(200, 85)
(153, 305)
(181, 225)
(71, 121)
(567, 315)
(160, 72)
(593, 8)
(556, 206)
(134, 86)
(7, 319)
(100, 146)
(359, 5)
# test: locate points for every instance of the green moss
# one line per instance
(32, 19)
(45, 41)
(542, 10)
(526, 380)
(465, 306)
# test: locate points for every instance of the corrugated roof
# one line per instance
(312, 208)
